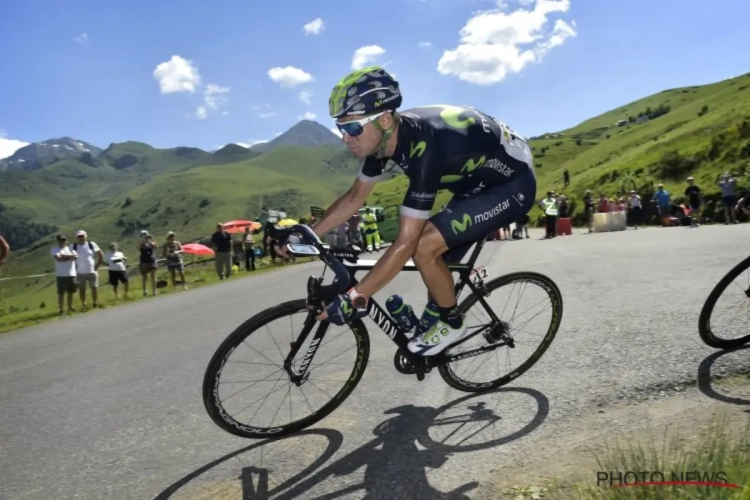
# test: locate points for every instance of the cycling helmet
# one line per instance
(363, 92)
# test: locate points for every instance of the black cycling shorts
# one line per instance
(468, 219)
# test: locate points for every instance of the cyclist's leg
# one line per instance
(465, 221)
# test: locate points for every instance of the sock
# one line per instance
(450, 315)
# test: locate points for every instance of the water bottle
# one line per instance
(401, 313)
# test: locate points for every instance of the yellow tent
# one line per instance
(287, 222)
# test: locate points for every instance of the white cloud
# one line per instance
(307, 116)
(289, 76)
(177, 75)
(82, 38)
(201, 113)
(305, 96)
(425, 45)
(267, 115)
(336, 131)
(214, 97)
(314, 27)
(366, 55)
(496, 43)
(9, 146)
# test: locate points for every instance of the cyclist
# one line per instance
(486, 165)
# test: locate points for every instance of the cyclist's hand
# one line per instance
(340, 311)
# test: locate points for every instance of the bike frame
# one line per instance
(384, 321)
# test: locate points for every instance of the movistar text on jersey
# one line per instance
(493, 212)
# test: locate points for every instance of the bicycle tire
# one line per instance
(454, 381)
(704, 320)
(213, 374)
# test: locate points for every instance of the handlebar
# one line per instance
(317, 292)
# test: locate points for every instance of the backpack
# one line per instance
(91, 246)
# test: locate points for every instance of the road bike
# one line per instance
(295, 372)
(732, 282)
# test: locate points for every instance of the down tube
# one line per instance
(384, 321)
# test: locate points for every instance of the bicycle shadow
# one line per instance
(394, 467)
(705, 384)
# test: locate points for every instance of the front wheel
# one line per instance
(496, 342)
(248, 392)
(736, 284)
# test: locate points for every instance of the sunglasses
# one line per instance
(356, 127)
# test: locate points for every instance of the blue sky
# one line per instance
(88, 69)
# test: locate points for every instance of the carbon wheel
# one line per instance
(736, 285)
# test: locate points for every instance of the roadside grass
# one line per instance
(719, 454)
(25, 309)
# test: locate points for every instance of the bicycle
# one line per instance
(297, 373)
(704, 321)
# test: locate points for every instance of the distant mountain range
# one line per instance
(38, 155)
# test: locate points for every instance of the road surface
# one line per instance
(108, 404)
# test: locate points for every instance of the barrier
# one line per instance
(564, 226)
(609, 221)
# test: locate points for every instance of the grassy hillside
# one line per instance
(703, 131)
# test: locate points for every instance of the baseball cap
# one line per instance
(690, 178)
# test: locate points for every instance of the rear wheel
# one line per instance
(511, 335)
(239, 373)
(734, 290)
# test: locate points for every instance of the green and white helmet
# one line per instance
(363, 92)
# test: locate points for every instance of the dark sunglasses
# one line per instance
(356, 127)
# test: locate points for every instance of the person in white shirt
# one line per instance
(90, 257)
(65, 271)
(636, 209)
(118, 273)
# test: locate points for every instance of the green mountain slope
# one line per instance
(700, 131)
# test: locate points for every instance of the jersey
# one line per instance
(457, 148)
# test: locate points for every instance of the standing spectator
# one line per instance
(566, 178)
(727, 184)
(172, 253)
(563, 207)
(663, 202)
(523, 224)
(118, 273)
(603, 204)
(588, 203)
(4, 250)
(269, 241)
(222, 243)
(549, 207)
(694, 198)
(248, 248)
(341, 234)
(238, 253)
(355, 236)
(90, 257)
(636, 209)
(147, 261)
(65, 271)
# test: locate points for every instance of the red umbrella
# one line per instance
(197, 249)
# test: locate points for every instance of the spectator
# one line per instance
(727, 184)
(694, 198)
(147, 261)
(65, 271)
(663, 202)
(238, 253)
(523, 224)
(588, 203)
(248, 247)
(118, 273)
(172, 253)
(4, 250)
(549, 207)
(563, 206)
(603, 204)
(222, 243)
(566, 178)
(90, 257)
(269, 241)
(636, 209)
(355, 236)
(341, 234)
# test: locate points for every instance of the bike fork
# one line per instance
(299, 376)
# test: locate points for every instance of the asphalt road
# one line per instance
(108, 404)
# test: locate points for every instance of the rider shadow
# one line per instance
(705, 384)
(396, 468)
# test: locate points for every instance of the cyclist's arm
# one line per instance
(348, 203)
(414, 213)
